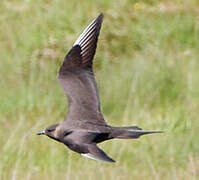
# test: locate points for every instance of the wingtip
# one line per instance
(112, 161)
(109, 160)
(101, 15)
(105, 158)
(96, 22)
(100, 18)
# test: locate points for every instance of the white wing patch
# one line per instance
(91, 156)
(85, 33)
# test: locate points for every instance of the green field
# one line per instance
(147, 69)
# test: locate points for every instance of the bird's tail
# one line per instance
(130, 132)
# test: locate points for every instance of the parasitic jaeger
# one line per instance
(84, 126)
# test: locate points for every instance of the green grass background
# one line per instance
(147, 69)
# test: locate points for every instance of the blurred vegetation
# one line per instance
(147, 69)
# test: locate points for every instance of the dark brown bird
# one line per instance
(84, 127)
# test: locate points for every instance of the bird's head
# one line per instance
(49, 131)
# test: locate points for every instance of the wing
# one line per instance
(77, 79)
(82, 142)
(97, 154)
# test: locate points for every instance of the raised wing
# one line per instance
(77, 79)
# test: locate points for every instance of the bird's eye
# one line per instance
(67, 132)
(50, 130)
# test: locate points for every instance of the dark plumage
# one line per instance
(84, 125)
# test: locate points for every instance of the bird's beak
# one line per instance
(41, 133)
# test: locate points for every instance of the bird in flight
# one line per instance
(84, 126)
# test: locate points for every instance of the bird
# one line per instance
(84, 126)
